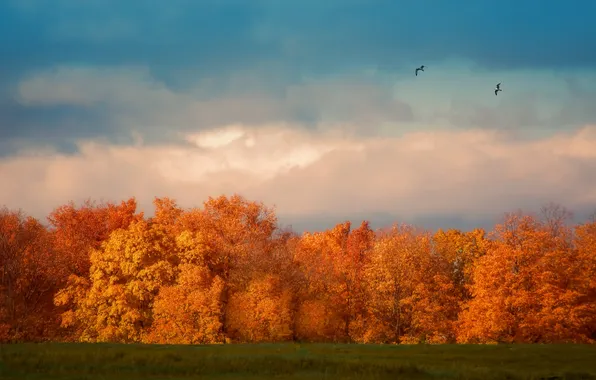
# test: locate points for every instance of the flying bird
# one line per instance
(421, 68)
(498, 88)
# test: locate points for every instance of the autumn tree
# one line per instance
(262, 312)
(410, 296)
(29, 275)
(286, 263)
(461, 250)
(350, 268)
(115, 303)
(226, 272)
(525, 288)
(188, 311)
(333, 306)
(77, 230)
(322, 309)
(167, 214)
(585, 277)
(240, 240)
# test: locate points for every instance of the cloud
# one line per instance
(82, 86)
(512, 113)
(64, 104)
(306, 37)
(131, 100)
(474, 174)
(311, 105)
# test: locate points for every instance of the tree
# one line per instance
(189, 311)
(584, 274)
(127, 272)
(525, 288)
(319, 314)
(410, 296)
(240, 236)
(261, 313)
(77, 230)
(29, 275)
(461, 250)
(226, 272)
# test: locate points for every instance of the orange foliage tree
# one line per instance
(29, 276)
(527, 287)
(332, 307)
(226, 272)
(77, 230)
(585, 276)
(411, 296)
(240, 239)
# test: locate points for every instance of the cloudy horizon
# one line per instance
(308, 107)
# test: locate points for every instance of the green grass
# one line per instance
(296, 361)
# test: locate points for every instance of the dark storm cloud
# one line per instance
(277, 43)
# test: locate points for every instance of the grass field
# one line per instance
(296, 361)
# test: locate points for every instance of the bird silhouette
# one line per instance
(421, 68)
(498, 88)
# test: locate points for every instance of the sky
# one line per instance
(311, 107)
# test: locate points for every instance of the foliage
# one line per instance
(226, 272)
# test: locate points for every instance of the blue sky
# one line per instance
(115, 72)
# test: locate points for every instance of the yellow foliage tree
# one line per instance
(461, 250)
(125, 276)
(189, 311)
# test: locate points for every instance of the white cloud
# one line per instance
(304, 172)
(341, 165)
(263, 152)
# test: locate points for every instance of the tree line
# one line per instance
(227, 272)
